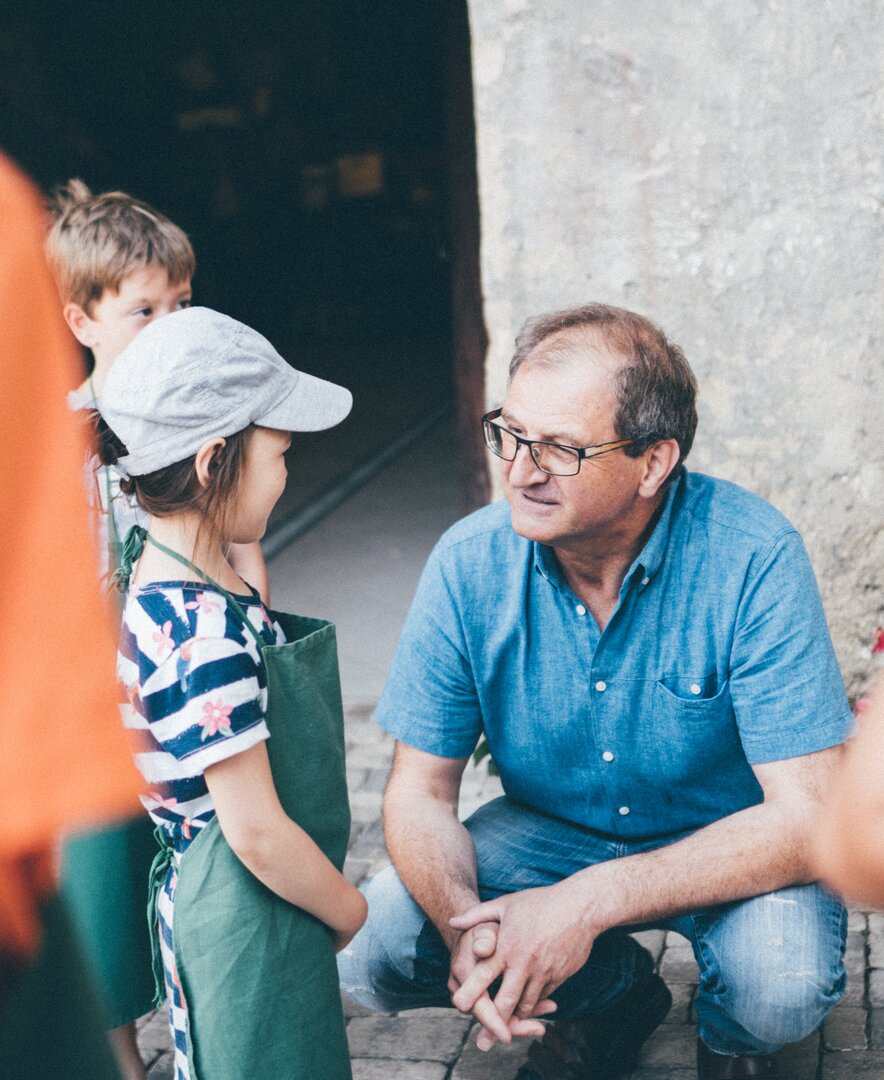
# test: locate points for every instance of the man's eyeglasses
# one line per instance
(555, 459)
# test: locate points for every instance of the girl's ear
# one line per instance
(82, 327)
(207, 459)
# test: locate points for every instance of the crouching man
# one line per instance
(646, 652)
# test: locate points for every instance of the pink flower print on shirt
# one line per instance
(165, 804)
(203, 603)
(163, 637)
(215, 718)
(878, 646)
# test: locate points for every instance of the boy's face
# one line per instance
(144, 295)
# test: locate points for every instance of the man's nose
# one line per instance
(523, 469)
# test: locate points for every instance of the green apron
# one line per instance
(103, 881)
(50, 1020)
(258, 974)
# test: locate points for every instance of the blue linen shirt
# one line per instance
(717, 657)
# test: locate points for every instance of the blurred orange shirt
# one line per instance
(65, 760)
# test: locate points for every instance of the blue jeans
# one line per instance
(770, 967)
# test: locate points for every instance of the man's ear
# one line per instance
(207, 458)
(660, 460)
(82, 327)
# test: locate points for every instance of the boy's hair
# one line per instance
(96, 241)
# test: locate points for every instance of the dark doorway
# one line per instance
(308, 149)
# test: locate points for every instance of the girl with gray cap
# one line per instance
(236, 710)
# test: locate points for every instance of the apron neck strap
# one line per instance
(234, 603)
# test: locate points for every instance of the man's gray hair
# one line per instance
(655, 388)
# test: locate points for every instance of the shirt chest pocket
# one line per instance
(694, 736)
(692, 695)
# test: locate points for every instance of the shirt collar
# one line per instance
(546, 564)
(649, 558)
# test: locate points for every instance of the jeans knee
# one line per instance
(355, 966)
(392, 964)
(772, 965)
(361, 963)
(786, 1007)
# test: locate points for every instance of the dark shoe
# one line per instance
(604, 1045)
(731, 1066)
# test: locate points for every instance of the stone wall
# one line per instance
(717, 167)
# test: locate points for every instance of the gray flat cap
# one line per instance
(196, 374)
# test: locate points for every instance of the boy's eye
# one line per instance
(145, 311)
(182, 304)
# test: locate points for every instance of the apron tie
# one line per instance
(129, 553)
(159, 868)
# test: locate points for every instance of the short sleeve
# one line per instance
(786, 687)
(206, 702)
(430, 700)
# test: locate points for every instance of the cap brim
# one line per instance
(313, 405)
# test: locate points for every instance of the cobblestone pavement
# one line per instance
(436, 1044)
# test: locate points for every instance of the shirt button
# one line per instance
(624, 810)
(607, 756)
(695, 688)
(580, 609)
(645, 580)
(601, 686)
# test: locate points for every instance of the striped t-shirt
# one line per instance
(195, 691)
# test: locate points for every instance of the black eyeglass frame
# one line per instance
(582, 452)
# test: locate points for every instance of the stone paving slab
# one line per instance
(410, 1036)
(391, 1069)
(438, 1044)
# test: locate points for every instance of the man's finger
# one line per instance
(531, 994)
(544, 1007)
(531, 1029)
(494, 1027)
(484, 1039)
(466, 920)
(475, 985)
(512, 991)
(485, 940)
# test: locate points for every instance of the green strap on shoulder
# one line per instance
(130, 552)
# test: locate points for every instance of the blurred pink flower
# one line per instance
(203, 603)
(163, 637)
(166, 804)
(215, 719)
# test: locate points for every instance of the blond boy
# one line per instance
(119, 265)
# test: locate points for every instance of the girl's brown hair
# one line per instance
(176, 489)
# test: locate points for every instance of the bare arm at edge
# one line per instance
(850, 837)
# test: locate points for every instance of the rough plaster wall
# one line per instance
(716, 166)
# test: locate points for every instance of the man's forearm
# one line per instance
(754, 851)
(433, 855)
